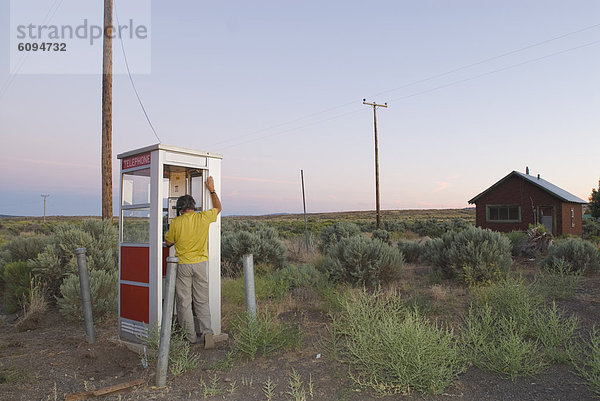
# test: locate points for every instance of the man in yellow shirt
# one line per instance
(189, 233)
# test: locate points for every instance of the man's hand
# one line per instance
(210, 184)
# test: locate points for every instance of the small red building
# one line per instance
(518, 200)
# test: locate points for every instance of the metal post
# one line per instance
(304, 203)
(248, 261)
(84, 289)
(165, 325)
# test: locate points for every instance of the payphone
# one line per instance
(152, 178)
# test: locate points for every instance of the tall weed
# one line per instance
(262, 335)
(393, 349)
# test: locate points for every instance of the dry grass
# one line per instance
(438, 293)
(36, 307)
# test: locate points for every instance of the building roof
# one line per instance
(538, 182)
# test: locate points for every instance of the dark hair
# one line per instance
(185, 202)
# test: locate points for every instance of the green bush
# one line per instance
(103, 294)
(580, 255)
(364, 261)
(383, 236)
(585, 358)
(510, 331)
(58, 259)
(411, 250)
(393, 349)
(302, 276)
(393, 225)
(262, 335)
(263, 244)
(21, 249)
(591, 229)
(435, 228)
(517, 240)
(17, 280)
(331, 235)
(474, 255)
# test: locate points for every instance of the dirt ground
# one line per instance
(54, 360)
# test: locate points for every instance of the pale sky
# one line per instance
(475, 89)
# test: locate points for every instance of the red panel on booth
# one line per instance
(135, 264)
(165, 254)
(135, 303)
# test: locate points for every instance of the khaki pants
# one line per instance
(192, 289)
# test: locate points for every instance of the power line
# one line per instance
(24, 56)
(418, 93)
(131, 79)
(496, 71)
(464, 67)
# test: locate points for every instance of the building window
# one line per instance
(503, 213)
(572, 217)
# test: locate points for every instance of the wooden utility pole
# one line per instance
(304, 203)
(107, 67)
(375, 106)
(45, 196)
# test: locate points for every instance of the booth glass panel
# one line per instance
(136, 187)
(136, 226)
(197, 190)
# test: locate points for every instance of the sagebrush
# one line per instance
(103, 294)
(363, 261)
(473, 256)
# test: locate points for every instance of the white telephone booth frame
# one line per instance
(141, 276)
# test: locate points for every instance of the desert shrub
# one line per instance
(585, 358)
(17, 279)
(393, 349)
(22, 249)
(510, 331)
(383, 236)
(364, 261)
(58, 259)
(411, 250)
(578, 254)
(393, 225)
(103, 294)
(299, 276)
(435, 228)
(263, 244)
(517, 240)
(262, 335)
(331, 235)
(591, 229)
(473, 256)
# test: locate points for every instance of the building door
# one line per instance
(547, 218)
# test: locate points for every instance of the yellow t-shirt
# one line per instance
(189, 233)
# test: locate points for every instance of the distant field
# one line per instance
(290, 223)
(411, 214)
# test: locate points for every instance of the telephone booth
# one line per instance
(152, 178)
